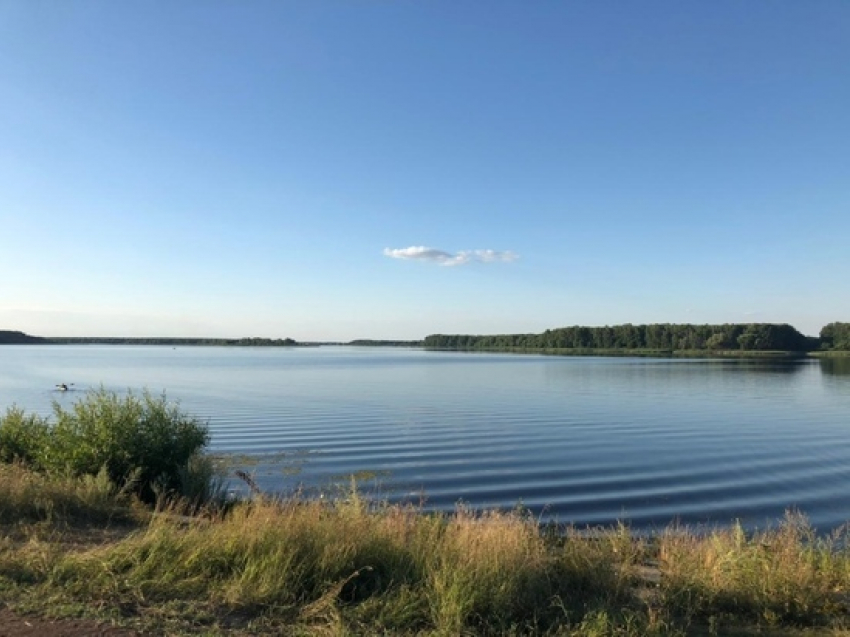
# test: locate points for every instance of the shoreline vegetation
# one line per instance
(659, 340)
(75, 548)
(94, 525)
(8, 337)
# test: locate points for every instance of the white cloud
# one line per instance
(442, 257)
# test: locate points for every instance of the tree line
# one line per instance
(369, 342)
(10, 337)
(835, 336)
(19, 338)
(671, 337)
(118, 340)
(655, 337)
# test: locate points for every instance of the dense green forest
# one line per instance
(752, 337)
(835, 336)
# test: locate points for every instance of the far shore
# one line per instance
(697, 341)
(553, 351)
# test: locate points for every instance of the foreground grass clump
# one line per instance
(27, 497)
(138, 440)
(780, 576)
(346, 567)
(305, 567)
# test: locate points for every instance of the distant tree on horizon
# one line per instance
(835, 336)
(11, 337)
(663, 336)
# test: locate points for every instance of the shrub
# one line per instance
(23, 437)
(138, 438)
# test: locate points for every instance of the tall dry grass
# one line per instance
(30, 497)
(784, 575)
(349, 567)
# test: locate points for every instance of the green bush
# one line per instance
(139, 438)
(23, 437)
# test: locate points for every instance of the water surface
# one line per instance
(584, 440)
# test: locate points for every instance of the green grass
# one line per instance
(351, 568)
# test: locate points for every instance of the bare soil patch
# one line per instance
(15, 625)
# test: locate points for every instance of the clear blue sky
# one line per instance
(337, 170)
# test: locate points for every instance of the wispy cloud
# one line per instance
(441, 257)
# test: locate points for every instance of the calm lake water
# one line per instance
(584, 440)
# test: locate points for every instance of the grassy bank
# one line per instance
(93, 522)
(76, 546)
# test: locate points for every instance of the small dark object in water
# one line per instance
(64, 386)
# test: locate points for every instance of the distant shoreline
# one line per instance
(520, 344)
(566, 352)
(643, 353)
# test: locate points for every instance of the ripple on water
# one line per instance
(583, 440)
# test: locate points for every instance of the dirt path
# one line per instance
(14, 625)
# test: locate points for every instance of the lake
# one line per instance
(583, 440)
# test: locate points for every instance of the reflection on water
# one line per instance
(838, 366)
(587, 440)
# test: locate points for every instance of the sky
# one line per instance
(350, 169)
